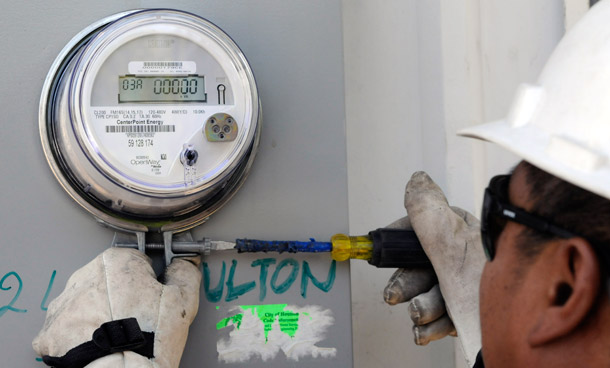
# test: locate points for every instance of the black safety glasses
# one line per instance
(497, 211)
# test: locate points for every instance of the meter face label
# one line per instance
(144, 112)
(147, 140)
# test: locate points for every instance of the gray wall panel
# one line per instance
(296, 190)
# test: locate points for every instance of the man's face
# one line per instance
(506, 289)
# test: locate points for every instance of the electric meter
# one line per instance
(150, 119)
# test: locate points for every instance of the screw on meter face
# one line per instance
(150, 119)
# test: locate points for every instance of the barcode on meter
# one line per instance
(140, 128)
(162, 64)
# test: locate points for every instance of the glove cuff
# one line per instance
(111, 337)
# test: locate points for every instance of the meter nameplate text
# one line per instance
(147, 140)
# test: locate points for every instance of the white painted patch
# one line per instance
(248, 341)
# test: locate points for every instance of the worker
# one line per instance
(542, 251)
(530, 284)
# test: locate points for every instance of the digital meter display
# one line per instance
(151, 117)
(161, 89)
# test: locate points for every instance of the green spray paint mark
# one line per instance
(236, 319)
(268, 314)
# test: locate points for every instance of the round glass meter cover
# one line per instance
(148, 88)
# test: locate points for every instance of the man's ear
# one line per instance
(572, 282)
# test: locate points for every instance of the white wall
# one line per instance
(415, 73)
(382, 95)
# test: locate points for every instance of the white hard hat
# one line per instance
(562, 124)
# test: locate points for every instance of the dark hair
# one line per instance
(566, 205)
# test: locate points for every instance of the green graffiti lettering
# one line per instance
(46, 294)
(324, 286)
(264, 263)
(213, 295)
(9, 306)
(289, 280)
(233, 292)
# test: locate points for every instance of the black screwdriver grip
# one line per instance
(396, 248)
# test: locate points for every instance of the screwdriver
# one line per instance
(382, 248)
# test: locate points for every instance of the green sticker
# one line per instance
(236, 319)
(268, 314)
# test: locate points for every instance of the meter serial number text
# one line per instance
(140, 142)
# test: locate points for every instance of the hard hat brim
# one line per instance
(538, 147)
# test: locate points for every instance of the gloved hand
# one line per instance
(451, 239)
(118, 284)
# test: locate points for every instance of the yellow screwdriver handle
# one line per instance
(354, 247)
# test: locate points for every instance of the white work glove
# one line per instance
(118, 284)
(451, 239)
